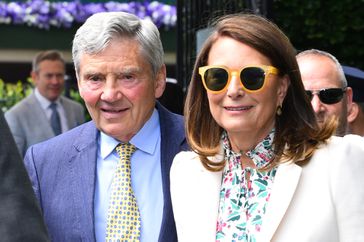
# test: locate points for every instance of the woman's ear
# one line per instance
(282, 88)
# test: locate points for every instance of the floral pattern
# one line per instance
(64, 14)
(245, 192)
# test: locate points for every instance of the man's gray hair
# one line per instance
(330, 56)
(102, 28)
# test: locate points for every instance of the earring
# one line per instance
(279, 110)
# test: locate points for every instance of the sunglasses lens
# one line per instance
(216, 78)
(252, 78)
(331, 95)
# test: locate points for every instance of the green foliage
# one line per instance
(75, 95)
(330, 25)
(11, 93)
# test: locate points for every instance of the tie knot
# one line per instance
(125, 150)
(53, 106)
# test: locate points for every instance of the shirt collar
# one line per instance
(44, 102)
(151, 129)
(261, 155)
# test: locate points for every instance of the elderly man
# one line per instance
(45, 113)
(326, 86)
(108, 180)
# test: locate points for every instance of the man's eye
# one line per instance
(95, 78)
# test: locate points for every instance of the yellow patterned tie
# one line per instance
(123, 218)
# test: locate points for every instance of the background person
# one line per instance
(20, 215)
(262, 169)
(326, 85)
(31, 119)
(355, 78)
(120, 71)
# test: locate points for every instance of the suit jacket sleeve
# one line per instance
(16, 130)
(20, 215)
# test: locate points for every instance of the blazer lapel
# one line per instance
(41, 119)
(83, 172)
(285, 184)
(172, 141)
(208, 199)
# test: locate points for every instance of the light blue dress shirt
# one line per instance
(145, 175)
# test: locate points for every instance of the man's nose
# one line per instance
(316, 103)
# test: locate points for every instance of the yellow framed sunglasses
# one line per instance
(253, 78)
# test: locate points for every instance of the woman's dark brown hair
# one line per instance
(297, 132)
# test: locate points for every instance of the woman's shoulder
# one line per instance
(186, 159)
(348, 144)
(341, 151)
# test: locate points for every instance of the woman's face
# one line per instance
(239, 112)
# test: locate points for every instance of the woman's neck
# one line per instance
(242, 142)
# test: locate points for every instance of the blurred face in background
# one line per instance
(119, 88)
(320, 72)
(49, 78)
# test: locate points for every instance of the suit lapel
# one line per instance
(41, 119)
(207, 196)
(83, 173)
(172, 141)
(285, 184)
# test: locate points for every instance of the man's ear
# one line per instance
(353, 108)
(160, 82)
(353, 112)
(34, 77)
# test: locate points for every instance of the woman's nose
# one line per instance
(235, 88)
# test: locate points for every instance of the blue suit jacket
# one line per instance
(63, 175)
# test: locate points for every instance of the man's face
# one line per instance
(49, 79)
(119, 89)
(319, 72)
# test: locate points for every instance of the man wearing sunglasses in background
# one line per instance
(326, 86)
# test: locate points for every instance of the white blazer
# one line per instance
(322, 201)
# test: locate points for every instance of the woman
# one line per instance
(262, 169)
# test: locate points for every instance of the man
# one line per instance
(20, 216)
(120, 71)
(326, 86)
(355, 78)
(44, 113)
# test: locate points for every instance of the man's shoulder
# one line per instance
(70, 102)
(23, 105)
(23, 108)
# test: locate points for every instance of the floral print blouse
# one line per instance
(245, 192)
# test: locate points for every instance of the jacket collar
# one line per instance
(285, 185)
